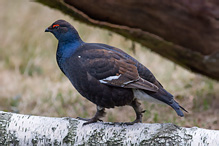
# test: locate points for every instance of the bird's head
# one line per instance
(63, 31)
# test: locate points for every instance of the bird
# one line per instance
(106, 75)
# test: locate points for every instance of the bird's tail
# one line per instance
(178, 108)
(165, 97)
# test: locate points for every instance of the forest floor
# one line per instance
(32, 83)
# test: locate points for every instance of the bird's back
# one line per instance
(143, 71)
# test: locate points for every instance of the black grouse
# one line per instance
(106, 75)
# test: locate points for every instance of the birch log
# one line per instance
(18, 129)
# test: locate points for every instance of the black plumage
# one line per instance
(106, 75)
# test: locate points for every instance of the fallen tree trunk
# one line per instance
(186, 32)
(17, 129)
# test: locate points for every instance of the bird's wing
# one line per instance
(114, 69)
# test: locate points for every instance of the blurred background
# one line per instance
(32, 83)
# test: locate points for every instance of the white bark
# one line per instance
(17, 129)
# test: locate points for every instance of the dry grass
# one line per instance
(31, 82)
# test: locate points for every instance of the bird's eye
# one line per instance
(55, 26)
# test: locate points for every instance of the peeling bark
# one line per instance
(18, 129)
(186, 32)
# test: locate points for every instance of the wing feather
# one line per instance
(114, 69)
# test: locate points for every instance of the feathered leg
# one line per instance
(138, 111)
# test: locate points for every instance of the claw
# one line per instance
(100, 120)
(89, 121)
(92, 120)
(84, 119)
(143, 111)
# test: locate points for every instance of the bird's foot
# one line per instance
(100, 113)
(138, 118)
(89, 121)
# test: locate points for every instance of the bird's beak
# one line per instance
(47, 30)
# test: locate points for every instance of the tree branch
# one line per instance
(18, 129)
(184, 32)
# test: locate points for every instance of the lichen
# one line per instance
(72, 129)
(5, 138)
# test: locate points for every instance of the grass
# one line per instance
(31, 82)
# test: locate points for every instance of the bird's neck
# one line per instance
(67, 48)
